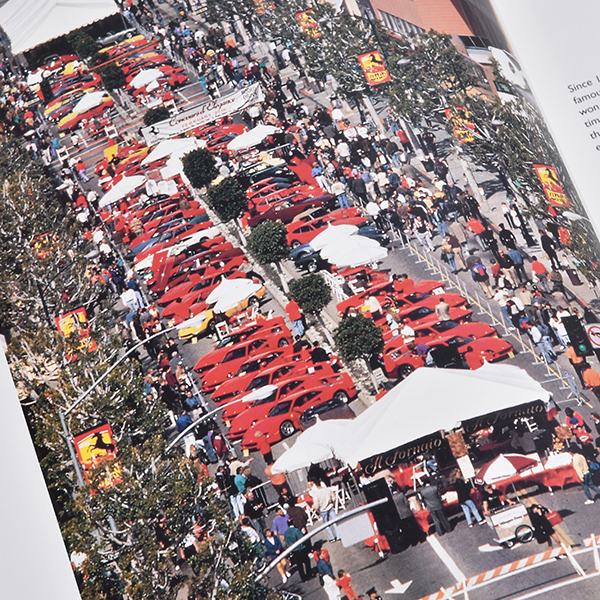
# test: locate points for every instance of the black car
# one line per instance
(331, 409)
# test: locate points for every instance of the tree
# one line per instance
(83, 44)
(199, 167)
(268, 244)
(227, 199)
(113, 77)
(357, 337)
(155, 115)
(311, 293)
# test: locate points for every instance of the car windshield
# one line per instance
(445, 325)
(269, 398)
(280, 409)
(258, 382)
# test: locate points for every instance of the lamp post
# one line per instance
(65, 413)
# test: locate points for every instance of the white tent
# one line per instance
(230, 292)
(29, 23)
(121, 189)
(312, 446)
(353, 251)
(332, 234)
(146, 76)
(89, 101)
(178, 146)
(431, 400)
(253, 137)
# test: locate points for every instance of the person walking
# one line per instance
(463, 491)
(295, 316)
(274, 548)
(550, 249)
(331, 588)
(422, 231)
(300, 555)
(480, 275)
(344, 581)
(430, 495)
(539, 274)
(582, 468)
(578, 363)
(591, 379)
(542, 342)
(323, 502)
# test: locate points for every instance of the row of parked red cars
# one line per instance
(267, 388)
(455, 343)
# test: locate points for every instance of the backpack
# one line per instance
(478, 272)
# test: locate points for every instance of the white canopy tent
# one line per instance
(29, 23)
(122, 189)
(432, 400)
(312, 446)
(253, 137)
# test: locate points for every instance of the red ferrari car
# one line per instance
(273, 375)
(255, 329)
(238, 356)
(401, 362)
(302, 233)
(341, 384)
(283, 419)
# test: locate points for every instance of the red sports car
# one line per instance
(302, 233)
(236, 359)
(283, 419)
(341, 383)
(255, 329)
(273, 375)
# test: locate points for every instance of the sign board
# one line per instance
(374, 68)
(593, 332)
(203, 114)
(355, 530)
(552, 186)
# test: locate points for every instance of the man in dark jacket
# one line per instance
(433, 503)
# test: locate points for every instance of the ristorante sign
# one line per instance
(202, 114)
(431, 443)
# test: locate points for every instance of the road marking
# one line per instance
(557, 586)
(398, 587)
(446, 558)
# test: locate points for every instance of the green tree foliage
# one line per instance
(155, 115)
(113, 77)
(199, 167)
(113, 526)
(228, 199)
(358, 337)
(311, 293)
(83, 44)
(268, 242)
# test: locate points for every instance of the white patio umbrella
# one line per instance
(354, 251)
(171, 147)
(312, 446)
(253, 137)
(146, 76)
(230, 292)
(122, 189)
(88, 101)
(332, 235)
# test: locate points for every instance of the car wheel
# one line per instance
(404, 371)
(286, 429)
(524, 533)
(341, 396)
(283, 342)
(295, 244)
(253, 302)
(312, 266)
(211, 328)
(129, 34)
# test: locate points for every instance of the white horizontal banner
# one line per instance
(202, 114)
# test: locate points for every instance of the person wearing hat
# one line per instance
(372, 594)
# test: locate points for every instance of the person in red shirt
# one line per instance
(295, 315)
(540, 273)
(403, 284)
(344, 581)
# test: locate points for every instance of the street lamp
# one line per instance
(64, 413)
